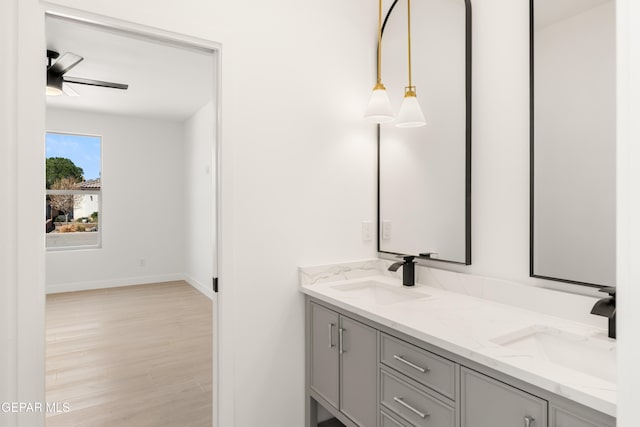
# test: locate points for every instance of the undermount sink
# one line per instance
(379, 293)
(591, 356)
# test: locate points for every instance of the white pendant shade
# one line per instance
(410, 115)
(379, 108)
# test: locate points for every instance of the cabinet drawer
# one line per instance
(413, 404)
(388, 420)
(425, 367)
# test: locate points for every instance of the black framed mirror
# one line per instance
(573, 141)
(424, 173)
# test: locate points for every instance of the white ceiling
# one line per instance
(165, 81)
(548, 12)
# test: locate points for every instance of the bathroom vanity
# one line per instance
(382, 355)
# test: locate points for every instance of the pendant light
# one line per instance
(410, 113)
(379, 108)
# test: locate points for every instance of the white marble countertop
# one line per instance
(472, 327)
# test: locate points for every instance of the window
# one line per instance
(73, 191)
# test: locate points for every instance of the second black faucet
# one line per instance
(607, 307)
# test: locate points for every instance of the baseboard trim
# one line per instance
(129, 281)
(112, 283)
(206, 291)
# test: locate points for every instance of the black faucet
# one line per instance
(607, 307)
(408, 270)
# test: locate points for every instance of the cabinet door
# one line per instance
(560, 417)
(490, 403)
(325, 360)
(358, 399)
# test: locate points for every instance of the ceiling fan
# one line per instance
(56, 75)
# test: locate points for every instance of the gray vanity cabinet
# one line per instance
(487, 402)
(368, 375)
(344, 364)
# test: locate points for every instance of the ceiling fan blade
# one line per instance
(69, 91)
(100, 83)
(65, 63)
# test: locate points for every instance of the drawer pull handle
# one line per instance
(331, 345)
(341, 340)
(409, 407)
(413, 365)
(528, 421)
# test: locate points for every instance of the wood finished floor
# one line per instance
(133, 356)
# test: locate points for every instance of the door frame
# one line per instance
(216, 181)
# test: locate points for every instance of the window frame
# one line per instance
(98, 193)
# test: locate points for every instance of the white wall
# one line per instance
(628, 233)
(143, 204)
(199, 215)
(299, 179)
(575, 137)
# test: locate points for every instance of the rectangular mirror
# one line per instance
(424, 173)
(573, 141)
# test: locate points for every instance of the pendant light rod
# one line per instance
(410, 114)
(409, 39)
(379, 81)
(379, 108)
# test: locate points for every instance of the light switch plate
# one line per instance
(386, 230)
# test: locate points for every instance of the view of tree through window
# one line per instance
(73, 184)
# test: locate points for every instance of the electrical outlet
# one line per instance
(386, 230)
(367, 228)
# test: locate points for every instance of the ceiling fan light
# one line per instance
(54, 84)
(53, 91)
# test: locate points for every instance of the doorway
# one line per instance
(158, 181)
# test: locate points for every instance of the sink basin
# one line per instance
(378, 293)
(591, 356)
